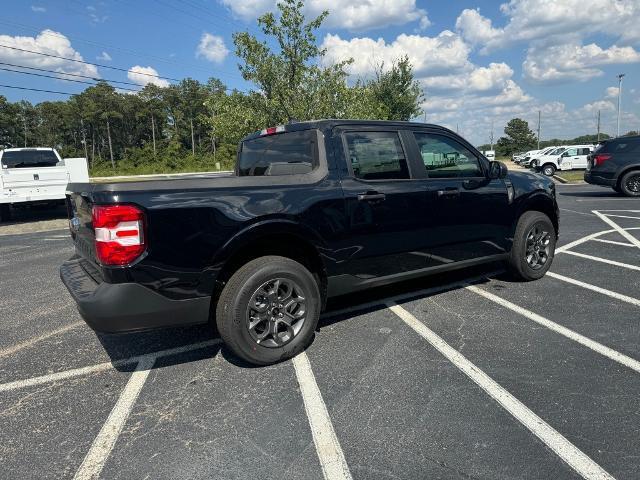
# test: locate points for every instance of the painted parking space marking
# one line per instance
(32, 341)
(588, 286)
(613, 242)
(78, 372)
(330, 454)
(101, 447)
(610, 353)
(562, 447)
(602, 260)
(618, 228)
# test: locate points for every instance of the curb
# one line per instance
(560, 179)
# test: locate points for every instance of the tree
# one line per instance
(289, 79)
(396, 92)
(519, 138)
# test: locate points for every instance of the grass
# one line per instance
(571, 176)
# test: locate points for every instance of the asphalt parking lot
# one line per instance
(464, 376)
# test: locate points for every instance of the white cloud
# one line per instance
(212, 48)
(50, 42)
(541, 19)
(38, 9)
(143, 76)
(428, 55)
(354, 15)
(572, 61)
(104, 56)
(475, 28)
(611, 92)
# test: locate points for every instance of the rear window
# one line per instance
(283, 154)
(620, 145)
(29, 158)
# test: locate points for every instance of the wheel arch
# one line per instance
(624, 171)
(281, 237)
(540, 202)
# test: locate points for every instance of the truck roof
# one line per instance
(26, 149)
(334, 122)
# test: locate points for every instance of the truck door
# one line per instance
(467, 214)
(383, 200)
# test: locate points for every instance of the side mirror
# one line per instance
(497, 170)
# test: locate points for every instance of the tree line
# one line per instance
(191, 125)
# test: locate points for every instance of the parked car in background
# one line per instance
(528, 161)
(568, 157)
(260, 251)
(36, 175)
(526, 156)
(615, 163)
(516, 157)
(490, 154)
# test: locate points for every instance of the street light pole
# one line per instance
(620, 76)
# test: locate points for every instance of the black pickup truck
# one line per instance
(313, 210)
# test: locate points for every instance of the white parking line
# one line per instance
(618, 357)
(32, 341)
(96, 458)
(621, 216)
(78, 372)
(592, 236)
(334, 466)
(562, 447)
(588, 286)
(602, 260)
(613, 242)
(618, 228)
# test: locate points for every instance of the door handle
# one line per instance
(449, 192)
(371, 196)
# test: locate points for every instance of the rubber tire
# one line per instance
(623, 184)
(517, 263)
(232, 306)
(551, 167)
(5, 212)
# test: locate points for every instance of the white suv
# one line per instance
(568, 157)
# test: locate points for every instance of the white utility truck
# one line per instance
(36, 175)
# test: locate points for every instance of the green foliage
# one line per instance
(519, 138)
(191, 126)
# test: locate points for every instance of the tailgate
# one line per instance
(34, 177)
(79, 207)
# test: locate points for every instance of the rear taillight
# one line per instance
(600, 158)
(119, 232)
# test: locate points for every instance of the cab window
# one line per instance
(376, 155)
(444, 157)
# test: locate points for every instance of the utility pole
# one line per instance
(491, 138)
(24, 123)
(620, 77)
(153, 134)
(84, 140)
(539, 118)
(425, 117)
(598, 126)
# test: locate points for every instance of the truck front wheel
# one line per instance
(534, 245)
(268, 310)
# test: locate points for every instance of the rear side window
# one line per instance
(376, 155)
(444, 157)
(584, 151)
(283, 154)
(621, 145)
(29, 159)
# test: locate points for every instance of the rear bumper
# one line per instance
(590, 177)
(127, 307)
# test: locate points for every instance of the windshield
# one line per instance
(29, 158)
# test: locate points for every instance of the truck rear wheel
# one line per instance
(268, 310)
(548, 170)
(534, 245)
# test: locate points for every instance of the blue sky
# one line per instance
(479, 62)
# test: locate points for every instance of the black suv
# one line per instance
(616, 164)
